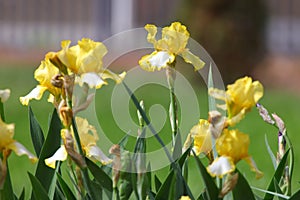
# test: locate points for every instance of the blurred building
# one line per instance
(37, 24)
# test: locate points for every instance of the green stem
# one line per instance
(85, 174)
(173, 112)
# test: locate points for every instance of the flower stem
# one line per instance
(173, 111)
(85, 175)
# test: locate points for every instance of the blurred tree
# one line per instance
(232, 31)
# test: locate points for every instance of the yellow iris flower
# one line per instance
(239, 97)
(88, 137)
(43, 74)
(202, 138)
(8, 144)
(232, 146)
(172, 43)
(85, 60)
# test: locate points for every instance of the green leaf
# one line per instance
(149, 176)
(39, 191)
(165, 187)
(291, 162)
(278, 190)
(277, 175)
(296, 196)
(36, 132)
(157, 183)
(65, 188)
(22, 195)
(44, 173)
(177, 152)
(242, 189)
(211, 188)
(210, 84)
(102, 178)
(273, 158)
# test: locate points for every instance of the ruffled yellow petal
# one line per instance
(4, 95)
(234, 144)
(253, 167)
(243, 94)
(90, 56)
(152, 30)
(36, 93)
(20, 150)
(221, 166)
(95, 153)
(60, 155)
(189, 57)
(68, 55)
(202, 137)
(6, 134)
(156, 61)
(185, 198)
(92, 79)
(175, 37)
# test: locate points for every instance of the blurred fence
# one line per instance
(40, 23)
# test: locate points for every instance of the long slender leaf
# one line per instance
(277, 175)
(291, 161)
(242, 189)
(157, 183)
(39, 191)
(295, 196)
(211, 188)
(22, 195)
(102, 178)
(277, 189)
(65, 188)
(44, 173)
(165, 187)
(273, 158)
(177, 152)
(2, 111)
(37, 135)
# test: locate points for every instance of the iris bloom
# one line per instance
(88, 137)
(202, 138)
(8, 144)
(43, 74)
(85, 60)
(239, 97)
(172, 43)
(232, 146)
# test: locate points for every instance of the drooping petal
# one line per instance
(156, 61)
(95, 153)
(20, 150)
(221, 166)
(189, 57)
(92, 79)
(217, 94)
(4, 95)
(36, 93)
(253, 167)
(118, 78)
(60, 155)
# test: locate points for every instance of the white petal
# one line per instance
(60, 155)
(96, 153)
(20, 150)
(4, 95)
(36, 93)
(92, 79)
(221, 166)
(156, 60)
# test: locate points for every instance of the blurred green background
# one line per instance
(252, 37)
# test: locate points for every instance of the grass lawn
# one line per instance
(285, 104)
